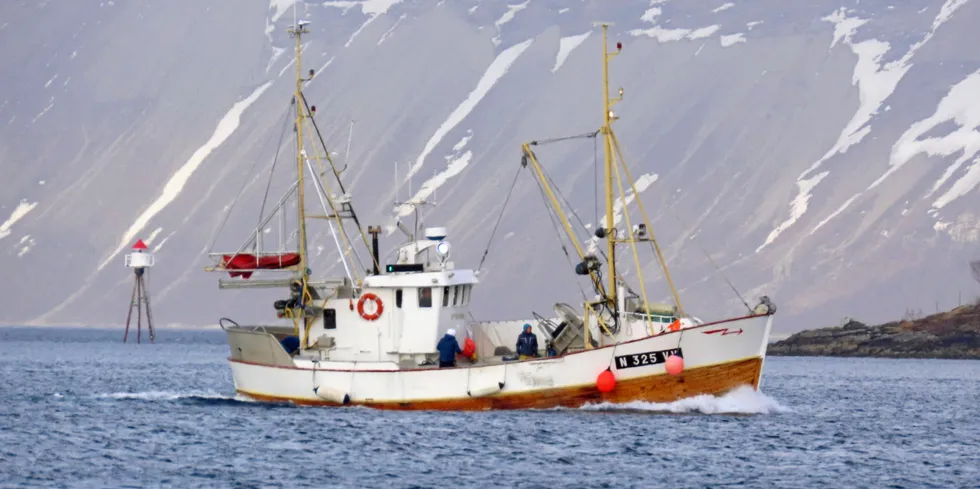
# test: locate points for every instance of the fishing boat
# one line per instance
(369, 337)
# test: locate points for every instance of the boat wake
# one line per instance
(742, 400)
(206, 397)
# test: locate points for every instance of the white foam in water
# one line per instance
(169, 396)
(743, 400)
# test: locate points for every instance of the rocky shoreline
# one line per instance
(953, 334)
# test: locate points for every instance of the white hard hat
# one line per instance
(451, 332)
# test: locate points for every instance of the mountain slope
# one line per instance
(824, 154)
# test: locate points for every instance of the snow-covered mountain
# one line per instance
(825, 153)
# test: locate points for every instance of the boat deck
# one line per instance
(262, 344)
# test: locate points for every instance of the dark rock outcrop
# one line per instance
(952, 334)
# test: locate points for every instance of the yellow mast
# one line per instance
(606, 130)
(612, 155)
(297, 30)
(610, 142)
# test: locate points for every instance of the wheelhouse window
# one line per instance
(329, 319)
(398, 298)
(425, 296)
(456, 295)
(445, 297)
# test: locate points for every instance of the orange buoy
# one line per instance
(606, 381)
(469, 348)
(675, 326)
(675, 364)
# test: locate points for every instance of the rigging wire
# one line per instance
(241, 190)
(502, 210)
(712, 261)
(703, 250)
(570, 208)
(321, 195)
(336, 174)
(561, 242)
(584, 135)
(551, 181)
(275, 160)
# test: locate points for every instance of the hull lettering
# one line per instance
(645, 359)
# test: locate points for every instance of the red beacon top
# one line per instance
(140, 257)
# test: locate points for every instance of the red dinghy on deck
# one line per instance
(249, 263)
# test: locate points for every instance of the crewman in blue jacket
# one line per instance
(448, 348)
(527, 343)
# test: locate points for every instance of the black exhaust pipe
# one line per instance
(375, 230)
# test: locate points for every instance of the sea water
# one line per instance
(82, 410)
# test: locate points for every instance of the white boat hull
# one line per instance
(717, 357)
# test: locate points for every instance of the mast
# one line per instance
(610, 142)
(297, 30)
(606, 130)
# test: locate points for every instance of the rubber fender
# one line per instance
(333, 395)
(487, 390)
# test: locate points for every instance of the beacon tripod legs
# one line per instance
(139, 297)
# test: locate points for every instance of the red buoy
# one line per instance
(469, 348)
(675, 365)
(606, 381)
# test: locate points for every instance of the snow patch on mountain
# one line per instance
(280, 7)
(664, 35)
(43, 111)
(276, 53)
(343, 5)
(225, 128)
(497, 69)
(22, 209)
(732, 39)
(368, 7)
(25, 243)
(671, 35)
(966, 229)
(651, 14)
(378, 7)
(508, 16)
(163, 241)
(359, 29)
(149, 239)
(961, 106)
(392, 28)
(462, 142)
(565, 47)
(875, 82)
(292, 61)
(797, 207)
(456, 165)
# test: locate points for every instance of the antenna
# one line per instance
(350, 135)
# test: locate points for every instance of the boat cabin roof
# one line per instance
(437, 278)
